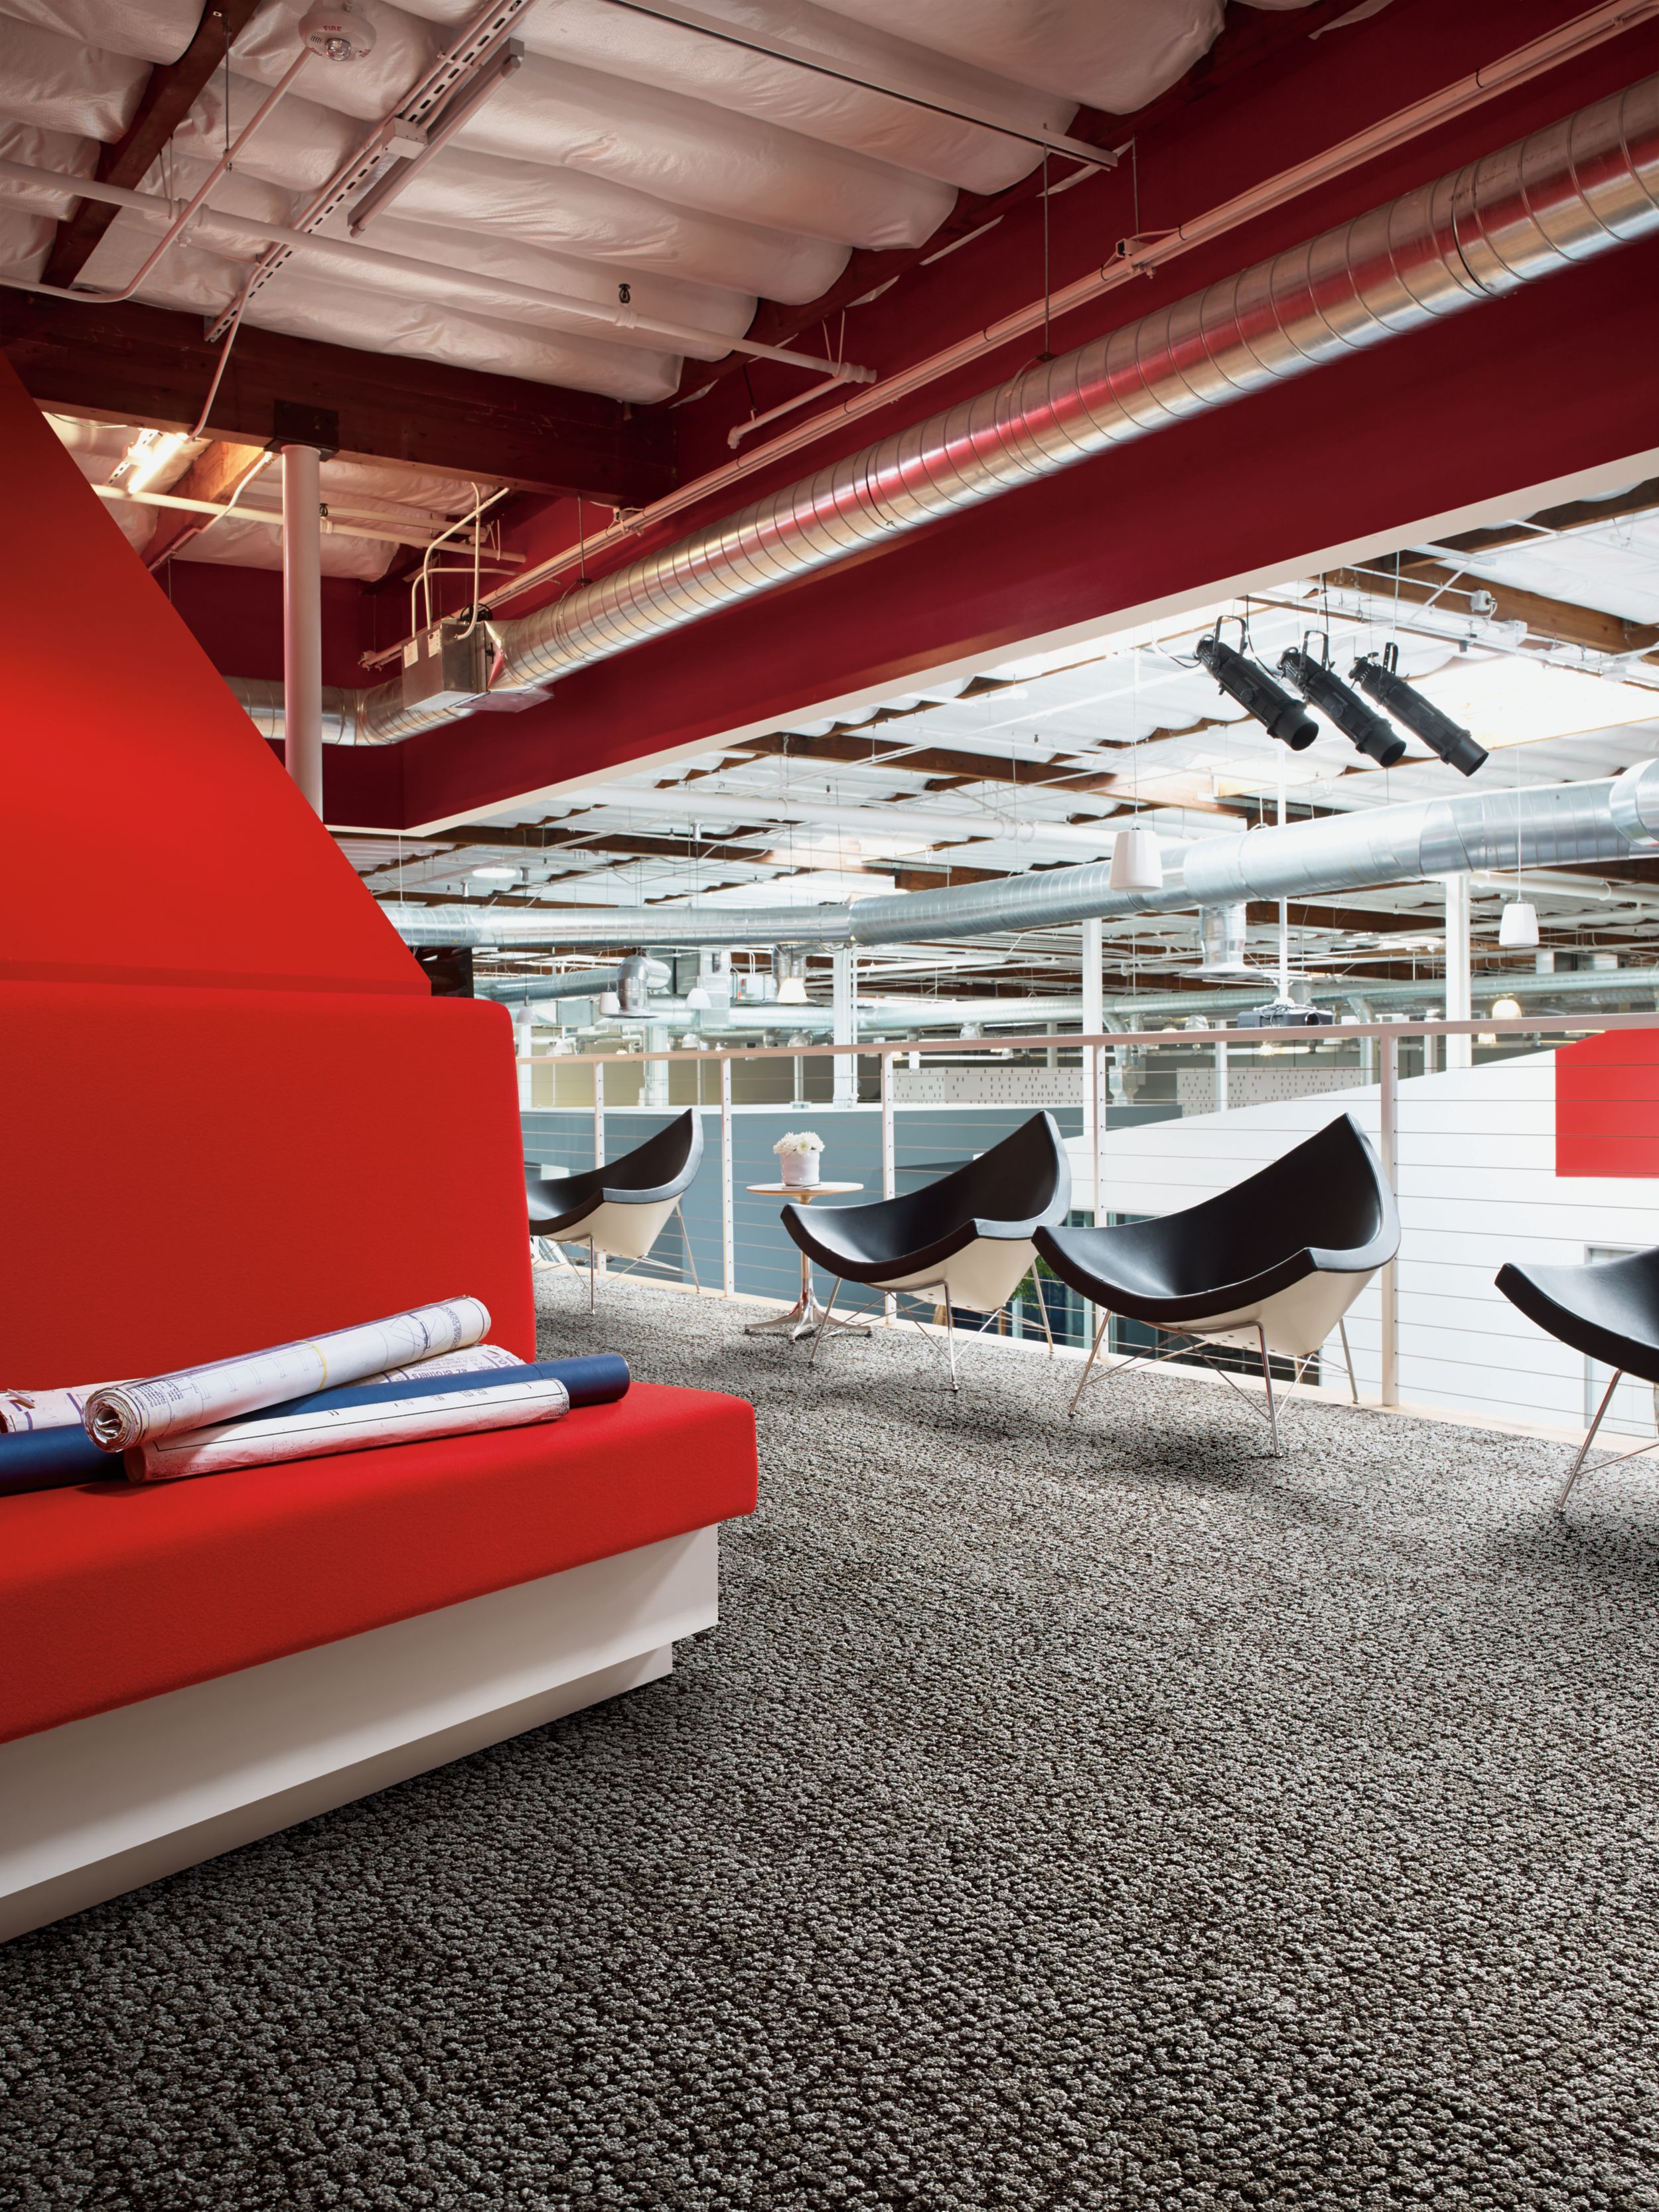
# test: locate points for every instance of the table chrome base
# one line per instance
(806, 1317)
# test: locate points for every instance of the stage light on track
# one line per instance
(1380, 678)
(1258, 694)
(1322, 687)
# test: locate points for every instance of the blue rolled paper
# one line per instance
(54, 1459)
(596, 1380)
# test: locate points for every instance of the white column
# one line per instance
(656, 1071)
(1094, 1024)
(844, 986)
(302, 621)
(1459, 1050)
(527, 1075)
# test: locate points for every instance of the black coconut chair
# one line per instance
(1608, 1309)
(1275, 1261)
(619, 1209)
(967, 1237)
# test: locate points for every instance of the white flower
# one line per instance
(800, 1140)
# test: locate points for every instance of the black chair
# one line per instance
(1608, 1309)
(1277, 1259)
(967, 1237)
(619, 1209)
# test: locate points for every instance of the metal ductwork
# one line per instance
(1552, 825)
(579, 983)
(1573, 189)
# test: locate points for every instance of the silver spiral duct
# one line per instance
(1549, 826)
(1566, 193)
(261, 701)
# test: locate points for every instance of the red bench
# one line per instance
(232, 1116)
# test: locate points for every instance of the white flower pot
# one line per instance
(800, 1170)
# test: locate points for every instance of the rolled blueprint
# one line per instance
(21, 1410)
(123, 1414)
(24, 1410)
(63, 1457)
(476, 1359)
(493, 1402)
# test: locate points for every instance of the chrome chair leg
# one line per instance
(592, 1273)
(1578, 1464)
(950, 1342)
(1353, 1387)
(823, 1328)
(1268, 1377)
(1043, 1308)
(1088, 1365)
(685, 1241)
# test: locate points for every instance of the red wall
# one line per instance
(151, 837)
(1606, 1105)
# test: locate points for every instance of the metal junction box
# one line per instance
(446, 667)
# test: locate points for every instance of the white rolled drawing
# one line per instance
(21, 1410)
(123, 1414)
(218, 1449)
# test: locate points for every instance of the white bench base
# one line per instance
(100, 1806)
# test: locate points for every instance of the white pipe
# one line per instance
(931, 824)
(1459, 1050)
(302, 621)
(87, 188)
(336, 523)
(629, 322)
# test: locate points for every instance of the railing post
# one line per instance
(888, 1157)
(728, 1265)
(1387, 1153)
(1097, 1076)
(599, 1112)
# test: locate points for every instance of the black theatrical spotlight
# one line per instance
(1381, 679)
(1258, 694)
(1322, 687)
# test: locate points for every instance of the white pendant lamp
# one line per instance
(1517, 930)
(1137, 863)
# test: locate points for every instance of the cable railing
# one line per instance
(1503, 1139)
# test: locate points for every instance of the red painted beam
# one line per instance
(1445, 417)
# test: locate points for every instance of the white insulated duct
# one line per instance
(1567, 192)
(1551, 825)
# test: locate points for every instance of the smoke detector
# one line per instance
(340, 33)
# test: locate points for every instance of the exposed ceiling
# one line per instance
(1037, 763)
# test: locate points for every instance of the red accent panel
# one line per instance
(110, 1595)
(184, 1174)
(1606, 1105)
(150, 834)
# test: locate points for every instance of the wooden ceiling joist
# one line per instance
(151, 366)
(168, 97)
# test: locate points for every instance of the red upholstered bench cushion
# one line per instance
(108, 1595)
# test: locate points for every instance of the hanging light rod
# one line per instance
(778, 49)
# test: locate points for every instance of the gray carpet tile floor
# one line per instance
(1062, 1815)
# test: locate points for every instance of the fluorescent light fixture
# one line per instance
(148, 455)
(1524, 702)
(1247, 781)
(496, 875)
